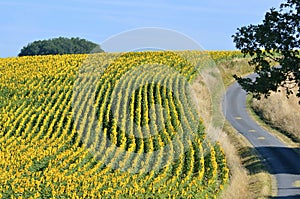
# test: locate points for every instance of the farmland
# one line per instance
(105, 125)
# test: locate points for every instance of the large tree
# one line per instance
(60, 45)
(275, 40)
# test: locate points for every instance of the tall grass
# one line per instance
(280, 112)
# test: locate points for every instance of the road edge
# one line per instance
(239, 142)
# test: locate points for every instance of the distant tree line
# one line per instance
(60, 45)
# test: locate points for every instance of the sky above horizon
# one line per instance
(208, 22)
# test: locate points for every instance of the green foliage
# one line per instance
(60, 45)
(275, 40)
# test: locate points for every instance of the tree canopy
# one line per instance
(60, 45)
(276, 39)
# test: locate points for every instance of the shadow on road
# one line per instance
(251, 161)
(283, 162)
(280, 160)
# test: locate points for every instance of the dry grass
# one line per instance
(280, 113)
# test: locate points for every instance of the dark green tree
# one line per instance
(276, 39)
(60, 45)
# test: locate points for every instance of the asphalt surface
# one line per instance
(284, 163)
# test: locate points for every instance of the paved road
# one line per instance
(284, 163)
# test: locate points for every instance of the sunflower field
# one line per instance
(108, 125)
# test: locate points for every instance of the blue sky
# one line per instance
(209, 22)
